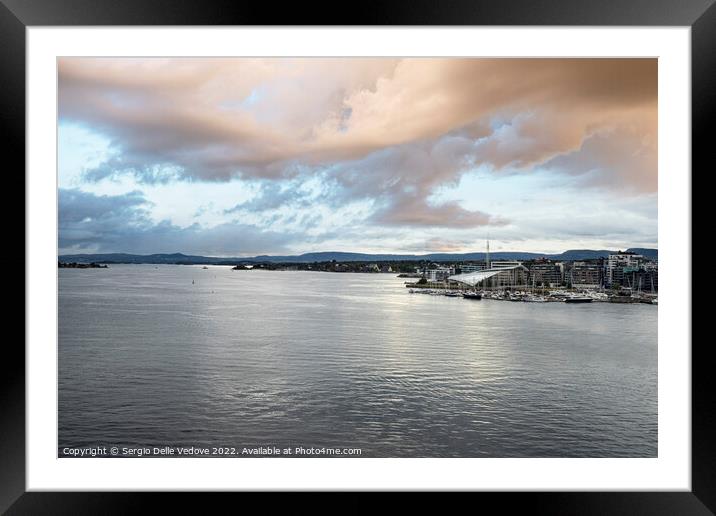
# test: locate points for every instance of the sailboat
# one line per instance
(532, 298)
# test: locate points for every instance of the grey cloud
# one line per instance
(117, 166)
(273, 195)
(77, 206)
(622, 223)
(401, 179)
(120, 223)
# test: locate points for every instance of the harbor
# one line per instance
(623, 277)
(554, 296)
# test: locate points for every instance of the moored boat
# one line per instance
(578, 299)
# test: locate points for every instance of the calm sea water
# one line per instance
(286, 359)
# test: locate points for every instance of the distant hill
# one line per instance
(174, 258)
(648, 253)
(179, 258)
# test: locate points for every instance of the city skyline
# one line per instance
(241, 157)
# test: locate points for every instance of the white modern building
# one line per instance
(501, 277)
(616, 263)
(439, 273)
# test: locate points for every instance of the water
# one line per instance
(286, 359)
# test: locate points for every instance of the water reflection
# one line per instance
(319, 359)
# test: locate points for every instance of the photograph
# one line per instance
(357, 257)
(414, 249)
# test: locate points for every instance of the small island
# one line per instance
(75, 265)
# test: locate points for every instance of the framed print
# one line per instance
(420, 252)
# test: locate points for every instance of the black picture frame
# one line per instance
(16, 15)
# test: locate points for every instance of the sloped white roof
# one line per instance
(473, 278)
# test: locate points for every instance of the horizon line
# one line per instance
(453, 253)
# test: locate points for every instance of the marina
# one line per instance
(542, 281)
(554, 296)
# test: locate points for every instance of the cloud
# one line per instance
(390, 133)
(401, 180)
(275, 195)
(416, 212)
(77, 207)
(194, 117)
(442, 245)
(214, 119)
(620, 158)
(120, 223)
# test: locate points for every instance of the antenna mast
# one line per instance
(487, 255)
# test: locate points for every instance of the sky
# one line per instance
(245, 156)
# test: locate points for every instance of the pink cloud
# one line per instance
(399, 128)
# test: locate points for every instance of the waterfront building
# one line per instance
(644, 278)
(504, 264)
(501, 277)
(655, 275)
(545, 273)
(439, 273)
(586, 275)
(616, 265)
(471, 267)
(652, 268)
